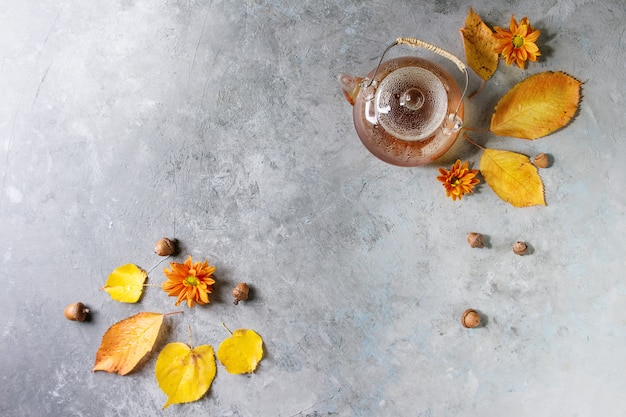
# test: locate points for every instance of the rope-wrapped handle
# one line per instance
(416, 43)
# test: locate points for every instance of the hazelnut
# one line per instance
(165, 247)
(240, 292)
(470, 318)
(541, 160)
(475, 240)
(520, 248)
(76, 312)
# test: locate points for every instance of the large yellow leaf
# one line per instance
(513, 177)
(479, 46)
(125, 284)
(537, 106)
(185, 374)
(241, 352)
(126, 342)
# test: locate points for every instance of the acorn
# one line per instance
(470, 319)
(165, 247)
(520, 248)
(240, 292)
(475, 240)
(76, 312)
(541, 160)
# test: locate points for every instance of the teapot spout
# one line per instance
(350, 86)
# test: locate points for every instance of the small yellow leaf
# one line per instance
(185, 374)
(479, 46)
(126, 342)
(241, 352)
(125, 284)
(512, 177)
(537, 106)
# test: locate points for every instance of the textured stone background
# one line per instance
(221, 124)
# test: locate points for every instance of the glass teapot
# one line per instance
(408, 111)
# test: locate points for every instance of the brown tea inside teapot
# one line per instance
(408, 111)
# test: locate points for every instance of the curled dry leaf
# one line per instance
(479, 44)
(125, 284)
(537, 106)
(512, 177)
(126, 342)
(241, 352)
(185, 374)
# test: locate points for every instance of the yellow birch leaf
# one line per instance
(512, 177)
(185, 374)
(241, 352)
(479, 46)
(125, 284)
(126, 342)
(537, 106)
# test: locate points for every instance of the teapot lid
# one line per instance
(410, 103)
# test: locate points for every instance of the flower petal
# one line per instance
(532, 36)
(513, 24)
(521, 54)
(531, 47)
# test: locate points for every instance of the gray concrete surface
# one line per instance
(221, 124)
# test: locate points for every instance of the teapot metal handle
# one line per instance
(416, 43)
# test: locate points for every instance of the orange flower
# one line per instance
(517, 44)
(459, 180)
(189, 281)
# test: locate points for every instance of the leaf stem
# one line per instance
(159, 263)
(467, 138)
(227, 329)
(172, 313)
(190, 337)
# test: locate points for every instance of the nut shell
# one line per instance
(240, 292)
(165, 247)
(76, 312)
(470, 319)
(475, 240)
(520, 248)
(541, 160)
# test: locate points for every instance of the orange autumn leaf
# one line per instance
(479, 44)
(512, 177)
(126, 342)
(537, 106)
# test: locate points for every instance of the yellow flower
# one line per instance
(459, 180)
(190, 281)
(517, 44)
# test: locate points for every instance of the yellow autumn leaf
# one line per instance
(126, 342)
(537, 106)
(479, 46)
(512, 177)
(185, 374)
(125, 284)
(241, 352)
